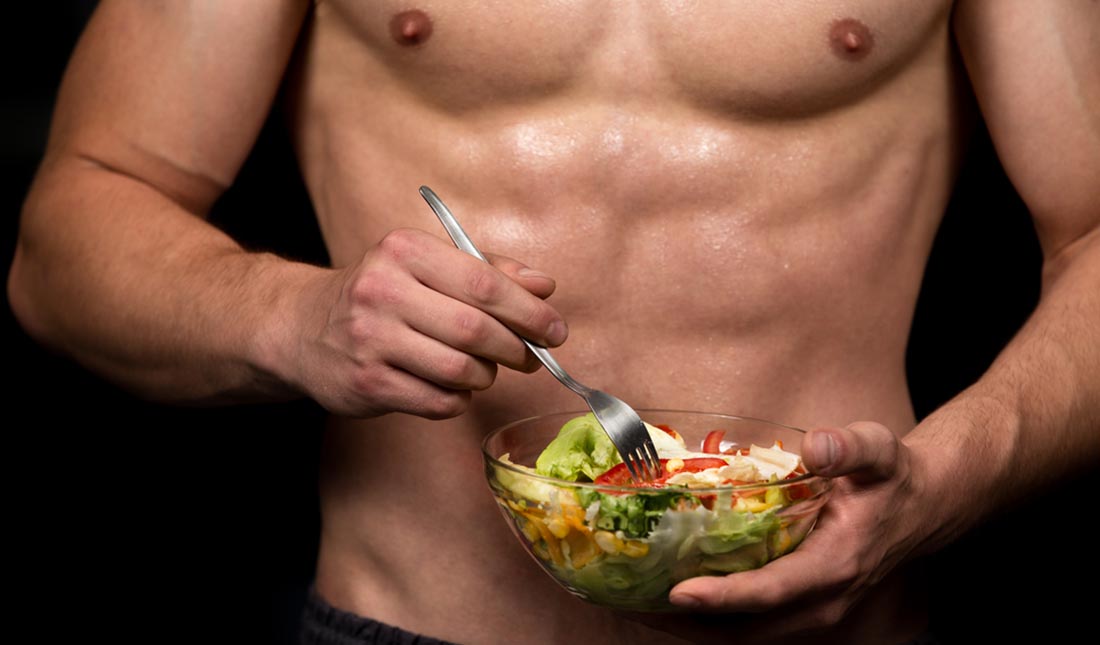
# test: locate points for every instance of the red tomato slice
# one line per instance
(618, 475)
(694, 465)
(712, 444)
(669, 430)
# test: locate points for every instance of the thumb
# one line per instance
(863, 448)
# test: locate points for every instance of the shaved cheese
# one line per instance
(773, 461)
(700, 479)
(761, 464)
(664, 442)
(740, 469)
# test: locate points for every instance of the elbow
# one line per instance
(25, 307)
(29, 278)
(35, 272)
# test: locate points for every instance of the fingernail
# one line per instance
(557, 332)
(684, 600)
(823, 450)
(528, 272)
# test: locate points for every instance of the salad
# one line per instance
(716, 509)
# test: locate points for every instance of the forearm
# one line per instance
(125, 280)
(1034, 416)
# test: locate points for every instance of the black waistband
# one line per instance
(323, 624)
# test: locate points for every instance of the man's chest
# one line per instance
(747, 56)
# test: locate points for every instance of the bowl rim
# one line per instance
(527, 472)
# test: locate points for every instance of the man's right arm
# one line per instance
(117, 267)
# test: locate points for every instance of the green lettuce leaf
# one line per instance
(634, 515)
(581, 448)
(737, 541)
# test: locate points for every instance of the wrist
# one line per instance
(288, 312)
(961, 456)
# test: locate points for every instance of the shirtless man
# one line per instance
(747, 190)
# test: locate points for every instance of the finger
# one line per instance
(538, 283)
(865, 448)
(488, 289)
(442, 365)
(400, 391)
(441, 340)
(465, 328)
(453, 273)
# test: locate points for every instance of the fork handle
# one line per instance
(552, 366)
(463, 242)
(454, 229)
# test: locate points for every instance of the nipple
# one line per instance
(411, 28)
(850, 39)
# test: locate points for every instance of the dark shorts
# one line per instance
(323, 624)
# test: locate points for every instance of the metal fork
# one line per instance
(621, 423)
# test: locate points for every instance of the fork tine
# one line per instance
(639, 462)
(636, 464)
(652, 459)
(639, 467)
(651, 469)
(632, 466)
(642, 465)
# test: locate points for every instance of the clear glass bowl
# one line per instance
(577, 532)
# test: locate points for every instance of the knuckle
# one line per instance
(375, 291)
(360, 330)
(538, 317)
(367, 382)
(455, 368)
(365, 335)
(482, 285)
(400, 244)
(471, 329)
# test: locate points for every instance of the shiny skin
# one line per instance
(728, 216)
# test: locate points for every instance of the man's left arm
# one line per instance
(1035, 414)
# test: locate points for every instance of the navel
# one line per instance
(850, 39)
(411, 28)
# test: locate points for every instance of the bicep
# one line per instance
(174, 93)
(1033, 66)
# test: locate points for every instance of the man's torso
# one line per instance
(736, 200)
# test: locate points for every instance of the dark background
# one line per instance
(146, 523)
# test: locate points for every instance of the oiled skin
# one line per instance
(739, 223)
(733, 203)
